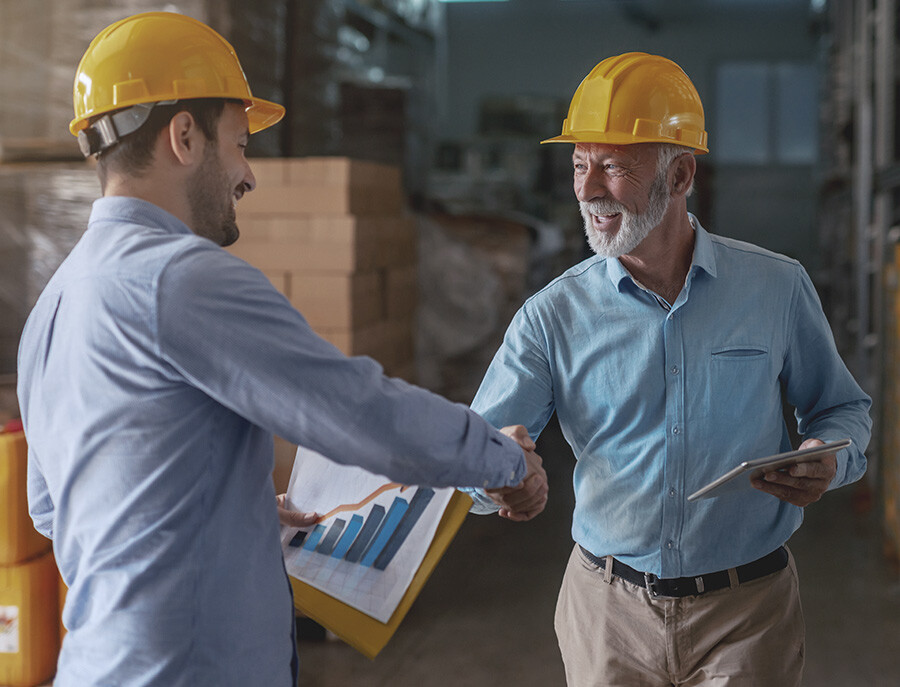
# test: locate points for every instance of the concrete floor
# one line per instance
(486, 615)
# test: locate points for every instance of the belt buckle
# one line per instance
(651, 582)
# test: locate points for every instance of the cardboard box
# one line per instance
(269, 171)
(322, 199)
(339, 243)
(324, 186)
(391, 343)
(371, 340)
(343, 171)
(346, 301)
(281, 281)
(285, 452)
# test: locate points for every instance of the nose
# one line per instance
(249, 181)
(590, 185)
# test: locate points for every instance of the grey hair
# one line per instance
(668, 152)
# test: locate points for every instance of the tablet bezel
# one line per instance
(751, 469)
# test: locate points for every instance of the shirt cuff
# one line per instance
(481, 502)
(511, 455)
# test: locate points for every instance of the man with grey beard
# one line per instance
(666, 357)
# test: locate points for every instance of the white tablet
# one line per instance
(738, 478)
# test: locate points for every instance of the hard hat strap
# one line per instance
(109, 129)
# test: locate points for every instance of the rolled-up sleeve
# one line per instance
(828, 402)
(516, 390)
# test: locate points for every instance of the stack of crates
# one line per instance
(29, 583)
(333, 235)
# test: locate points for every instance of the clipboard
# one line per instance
(363, 632)
(738, 478)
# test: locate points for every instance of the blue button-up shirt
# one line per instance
(656, 401)
(152, 373)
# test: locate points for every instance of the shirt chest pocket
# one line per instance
(740, 353)
(741, 381)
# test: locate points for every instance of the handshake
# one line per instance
(528, 498)
(519, 503)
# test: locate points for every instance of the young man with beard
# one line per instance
(155, 368)
(666, 357)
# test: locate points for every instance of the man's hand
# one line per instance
(528, 498)
(803, 483)
(293, 518)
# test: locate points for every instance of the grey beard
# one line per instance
(635, 227)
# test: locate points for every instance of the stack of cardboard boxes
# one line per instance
(332, 235)
(29, 583)
(44, 208)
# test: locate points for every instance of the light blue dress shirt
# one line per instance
(656, 401)
(153, 372)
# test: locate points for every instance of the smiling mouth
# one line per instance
(605, 224)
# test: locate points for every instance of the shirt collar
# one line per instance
(704, 257)
(122, 209)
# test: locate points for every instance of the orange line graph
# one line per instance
(356, 506)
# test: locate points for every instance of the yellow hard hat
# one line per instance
(158, 57)
(635, 98)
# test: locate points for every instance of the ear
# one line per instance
(682, 173)
(185, 139)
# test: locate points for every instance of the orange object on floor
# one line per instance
(19, 541)
(29, 622)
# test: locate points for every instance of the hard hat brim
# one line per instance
(261, 114)
(612, 139)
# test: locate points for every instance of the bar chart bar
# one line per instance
(368, 531)
(326, 546)
(395, 514)
(372, 541)
(313, 538)
(298, 538)
(417, 506)
(343, 546)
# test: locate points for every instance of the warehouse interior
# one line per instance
(425, 117)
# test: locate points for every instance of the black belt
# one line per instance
(692, 586)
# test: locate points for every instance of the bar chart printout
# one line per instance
(371, 535)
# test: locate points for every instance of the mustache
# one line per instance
(602, 207)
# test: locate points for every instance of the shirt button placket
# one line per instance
(672, 508)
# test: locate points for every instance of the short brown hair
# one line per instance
(134, 153)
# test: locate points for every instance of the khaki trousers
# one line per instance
(612, 632)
